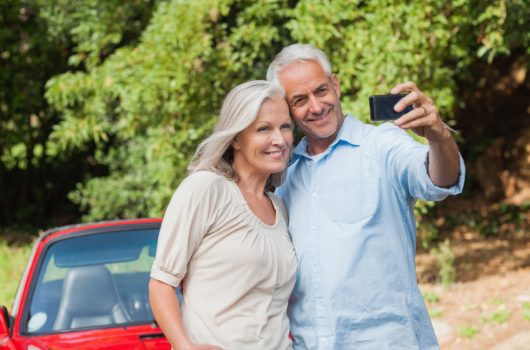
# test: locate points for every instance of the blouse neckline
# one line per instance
(252, 214)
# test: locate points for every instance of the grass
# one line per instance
(469, 307)
(499, 316)
(435, 313)
(445, 259)
(497, 301)
(468, 331)
(526, 311)
(12, 263)
(431, 297)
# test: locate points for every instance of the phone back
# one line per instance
(382, 107)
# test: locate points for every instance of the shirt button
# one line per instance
(314, 195)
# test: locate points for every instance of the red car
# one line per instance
(85, 287)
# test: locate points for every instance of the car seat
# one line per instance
(89, 298)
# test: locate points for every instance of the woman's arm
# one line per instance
(166, 309)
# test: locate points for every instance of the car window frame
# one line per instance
(25, 309)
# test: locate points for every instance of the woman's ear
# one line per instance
(235, 145)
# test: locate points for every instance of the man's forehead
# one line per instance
(302, 77)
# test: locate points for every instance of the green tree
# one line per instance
(145, 100)
(28, 167)
(147, 105)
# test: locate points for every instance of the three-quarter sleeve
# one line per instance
(186, 221)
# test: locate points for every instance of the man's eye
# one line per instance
(299, 101)
(322, 91)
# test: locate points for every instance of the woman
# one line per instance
(224, 235)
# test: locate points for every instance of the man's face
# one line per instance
(314, 103)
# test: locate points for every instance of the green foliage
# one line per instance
(428, 232)
(445, 260)
(12, 263)
(25, 58)
(497, 301)
(468, 332)
(499, 219)
(431, 297)
(526, 311)
(96, 27)
(435, 313)
(498, 316)
(146, 78)
(147, 106)
(33, 174)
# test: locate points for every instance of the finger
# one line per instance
(403, 87)
(425, 112)
(420, 117)
(412, 98)
(415, 123)
(415, 114)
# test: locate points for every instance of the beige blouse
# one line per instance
(237, 272)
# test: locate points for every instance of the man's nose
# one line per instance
(315, 107)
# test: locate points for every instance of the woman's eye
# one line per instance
(263, 128)
(286, 126)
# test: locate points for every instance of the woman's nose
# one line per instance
(278, 138)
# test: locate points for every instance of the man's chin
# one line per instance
(325, 132)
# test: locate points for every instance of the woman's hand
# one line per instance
(166, 309)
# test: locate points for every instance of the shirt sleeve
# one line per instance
(405, 161)
(187, 220)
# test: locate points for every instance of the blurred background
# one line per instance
(102, 103)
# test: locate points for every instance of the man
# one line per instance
(350, 192)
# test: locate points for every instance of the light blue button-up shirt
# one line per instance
(352, 223)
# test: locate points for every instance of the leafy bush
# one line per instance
(445, 260)
(147, 78)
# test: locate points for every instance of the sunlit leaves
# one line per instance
(149, 76)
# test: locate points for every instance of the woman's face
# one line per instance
(263, 147)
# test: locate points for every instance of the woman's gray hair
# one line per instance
(295, 53)
(240, 109)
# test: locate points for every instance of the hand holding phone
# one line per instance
(382, 107)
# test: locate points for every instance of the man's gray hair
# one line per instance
(296, 53)
(240, 109)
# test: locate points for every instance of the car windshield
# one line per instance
(93, 281)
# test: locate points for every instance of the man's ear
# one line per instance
(336, 83)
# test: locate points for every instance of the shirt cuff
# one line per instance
(436, 191)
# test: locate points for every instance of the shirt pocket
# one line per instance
(349, 200)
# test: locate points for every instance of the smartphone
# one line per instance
(382, 107)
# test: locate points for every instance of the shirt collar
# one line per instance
(351, 132)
